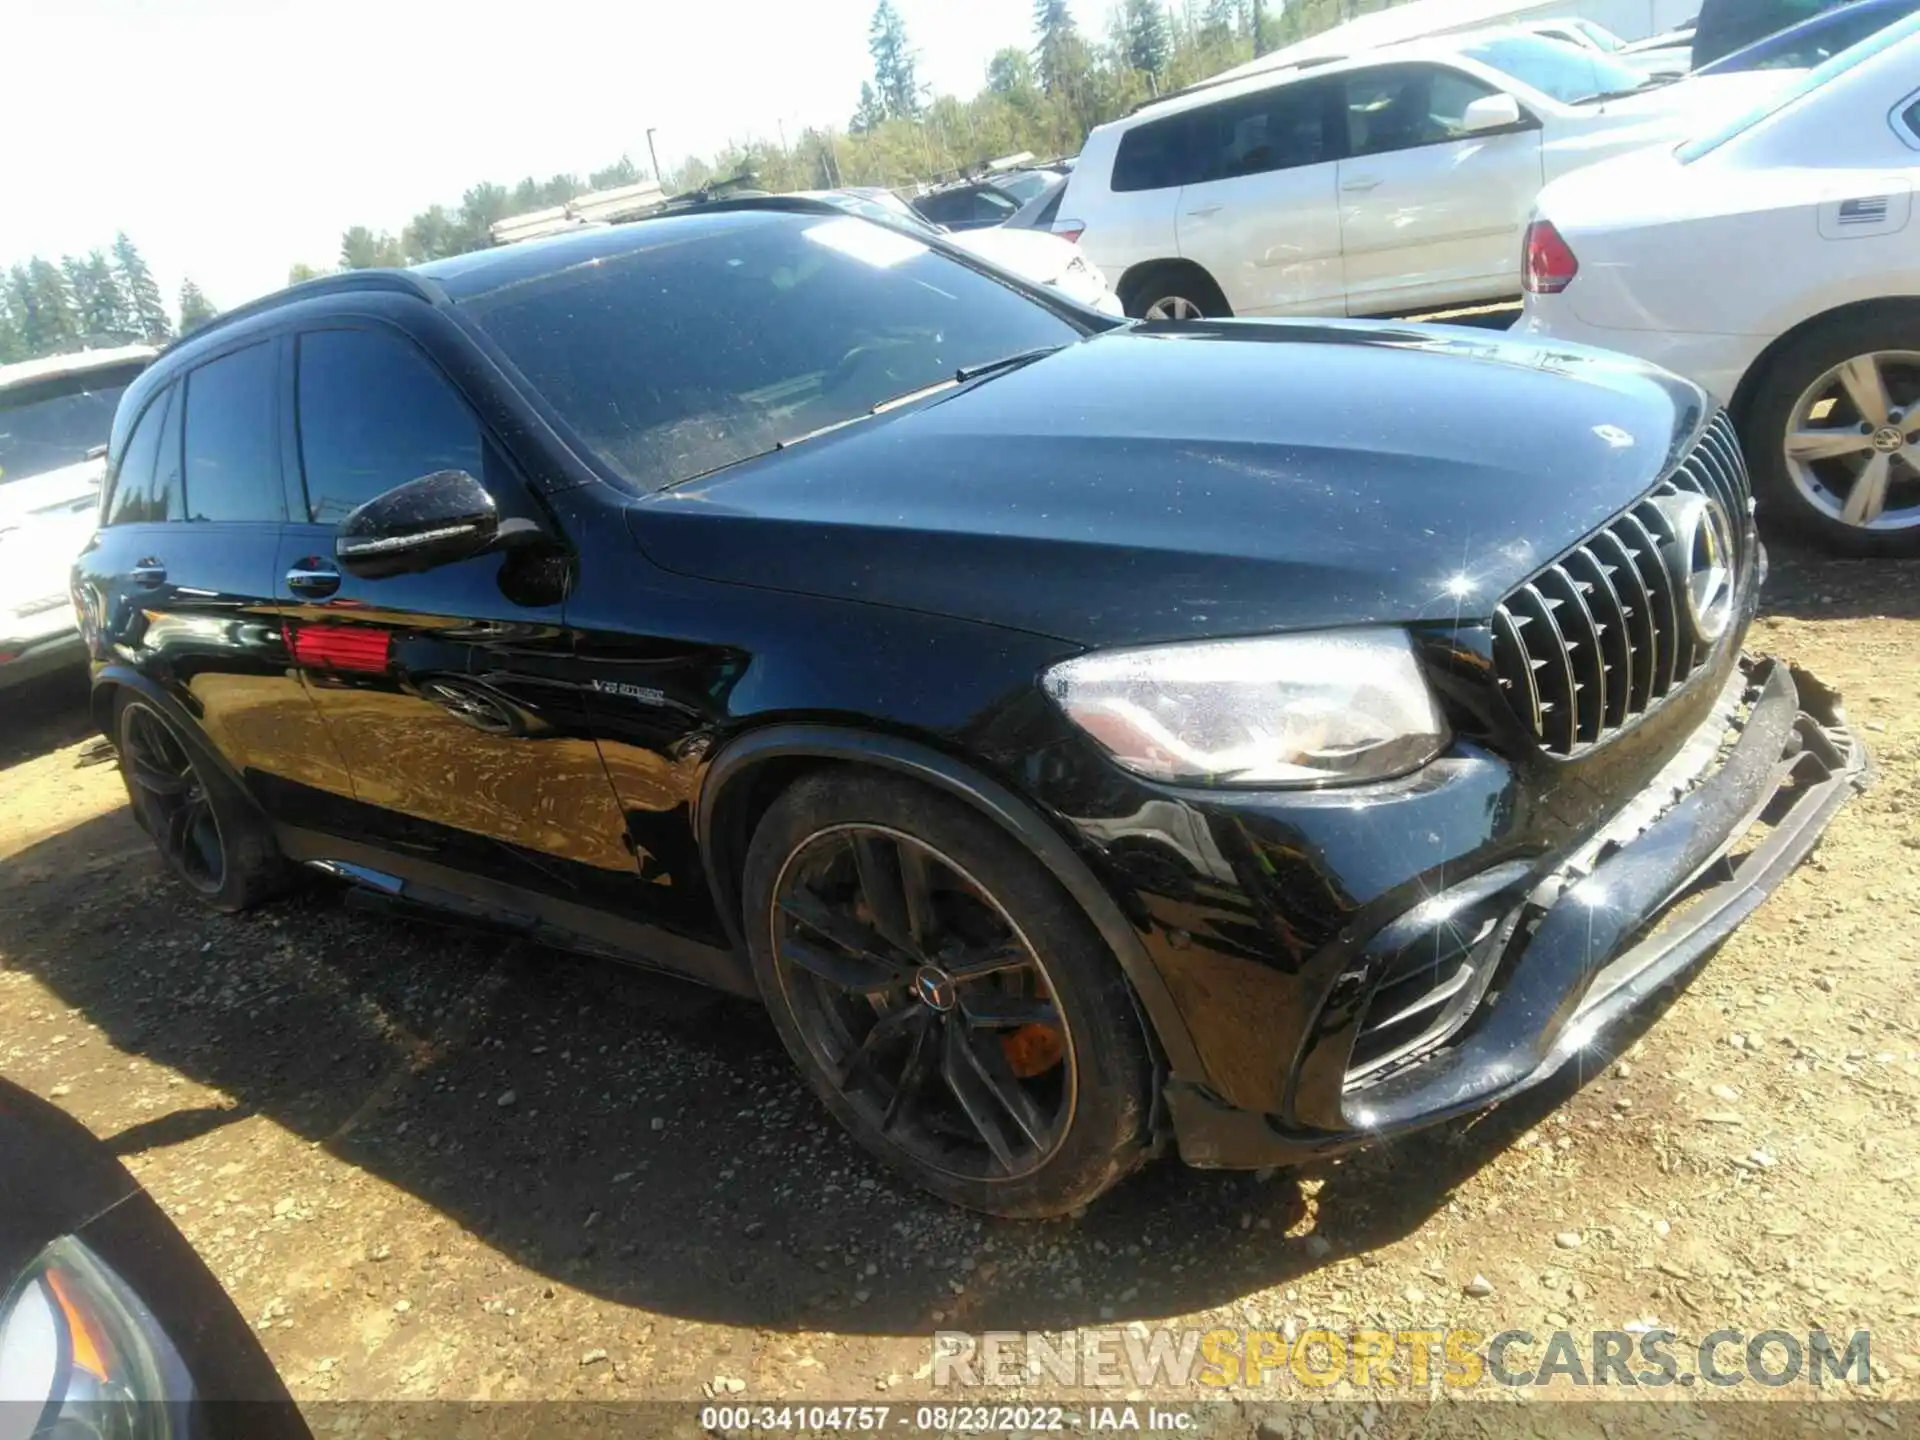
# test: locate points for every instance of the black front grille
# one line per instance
(1598, 638)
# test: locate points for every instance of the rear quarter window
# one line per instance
(1152, 156)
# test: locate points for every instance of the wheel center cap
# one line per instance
(1889, 438)
(934, 988)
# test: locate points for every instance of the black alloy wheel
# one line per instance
(944, 997)
(173, 800)
(206, 830)
(921, 1000)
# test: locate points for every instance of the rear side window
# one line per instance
(1152, 156)
(375, 413)
(131, 496)
(232, 458)
(1278, 129)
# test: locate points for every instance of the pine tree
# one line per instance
(98, 300)
(1218, 21)
(12, 346)
(146, 312)
(894, 77)
(1060, 55)
(1148, 45)
(361, 249)
(870, 114)
(195, 309)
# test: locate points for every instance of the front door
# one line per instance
(447, 693)
(1262, 218)
(1429, 214)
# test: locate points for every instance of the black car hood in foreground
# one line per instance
(1155, 483)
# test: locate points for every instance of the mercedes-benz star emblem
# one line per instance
(934, 988)
(1700, 559)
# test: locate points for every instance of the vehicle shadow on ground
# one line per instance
(632, 1136)
(43, 715)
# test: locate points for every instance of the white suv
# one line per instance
(55, 416)
(1395, 181)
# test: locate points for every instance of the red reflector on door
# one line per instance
(339, 647)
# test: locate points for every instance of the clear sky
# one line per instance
(231, 138)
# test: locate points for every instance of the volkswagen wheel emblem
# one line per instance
(1700, 558)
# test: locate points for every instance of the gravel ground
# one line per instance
(440, 1164)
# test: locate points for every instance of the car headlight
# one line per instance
(76, 1341)
(1337, 705)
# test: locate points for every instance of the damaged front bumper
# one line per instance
(1599, 933)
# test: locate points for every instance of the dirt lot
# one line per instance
(436, 1164)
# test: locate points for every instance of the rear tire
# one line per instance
(1173, 290)
(207, 832)
(963, 1019)
(1845, 487)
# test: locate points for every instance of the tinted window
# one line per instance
(1727, 25)
(1410, 105)
(1567, 74)
(232, 460)
(1151, 157)
(130, 500)
(1276, 129)
(51, 423)
(1024, 185)
(966, 207)
(169, 494)
(375, 413)
(726, 335)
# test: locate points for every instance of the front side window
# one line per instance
(1277, 129)
(53, 423)
(723, 337)
(232, 458)
(1409, 106)
(1569, 75)
(375, 413)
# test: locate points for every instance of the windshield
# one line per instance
(1808, 84)
(716, 343)
(1602, 37)
(53, 423)
(1556, 68)
(1024, 185)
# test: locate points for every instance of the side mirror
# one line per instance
(1492, 112)
(435, 520)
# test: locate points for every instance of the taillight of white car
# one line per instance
(1550, 263)
(1069, 229)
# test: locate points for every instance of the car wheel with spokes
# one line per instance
(943, 996)
(1833, 435)
(1173, 291)
(206, 832)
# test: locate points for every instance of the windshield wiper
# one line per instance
(1004, 363)
(885, 405)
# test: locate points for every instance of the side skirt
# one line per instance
(407, 884)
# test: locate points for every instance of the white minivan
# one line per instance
(1397, 181)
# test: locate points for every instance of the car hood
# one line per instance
(1161, 482)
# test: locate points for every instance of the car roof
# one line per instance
(79, 363)
(1437, 47)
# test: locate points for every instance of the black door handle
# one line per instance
(313, 578)
(148, 574)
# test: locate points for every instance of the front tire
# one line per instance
(944, 997)
(1832, 434)
(207, 833)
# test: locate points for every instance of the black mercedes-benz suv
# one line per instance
(1083, 737)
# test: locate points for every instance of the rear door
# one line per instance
(447, 693)
(1259, 212)
(179, 579)
(1430, 215)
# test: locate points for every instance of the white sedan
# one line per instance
(1775, 260)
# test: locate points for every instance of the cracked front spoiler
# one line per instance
(1635, 923)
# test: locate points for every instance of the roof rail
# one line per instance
(1285, 67)
(346, 280)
